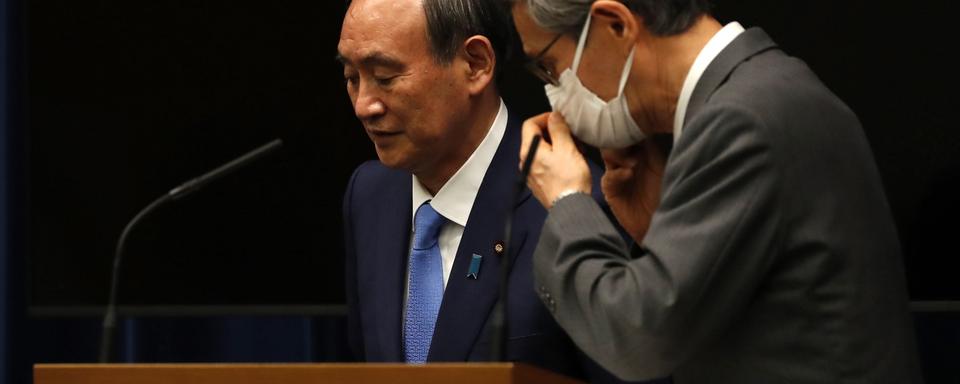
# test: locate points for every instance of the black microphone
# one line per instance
(498, 320)
(185, 189)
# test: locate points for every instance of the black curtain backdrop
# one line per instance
(115, 102)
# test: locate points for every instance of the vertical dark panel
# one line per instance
(4, 181)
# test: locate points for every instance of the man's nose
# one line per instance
(368, 105)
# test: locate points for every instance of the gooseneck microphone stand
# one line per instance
(185, 189)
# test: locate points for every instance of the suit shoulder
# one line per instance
(790, 105)
(372, 170)
(371, 176)
(778, 87)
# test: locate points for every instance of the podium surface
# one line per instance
(354, 373)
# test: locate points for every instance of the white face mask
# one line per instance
(603, 124)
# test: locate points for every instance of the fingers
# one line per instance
(534, 126)
(622, 157)
(553, 171)
(559, 131)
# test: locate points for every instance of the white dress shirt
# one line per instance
(709, 52)
(455, 199)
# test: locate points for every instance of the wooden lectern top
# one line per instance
(353, 373)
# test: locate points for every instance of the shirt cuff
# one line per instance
(565, 193)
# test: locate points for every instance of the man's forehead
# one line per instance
(370, 58)
(384, 12)
(382, 26)
(383, 50)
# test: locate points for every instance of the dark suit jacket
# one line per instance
(772, 257)
(377, 212)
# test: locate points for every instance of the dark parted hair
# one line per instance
(451, 22)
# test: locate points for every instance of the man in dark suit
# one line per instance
(424, 226)
(766, 249)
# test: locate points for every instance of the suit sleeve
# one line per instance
(708, 247)
(354, 330)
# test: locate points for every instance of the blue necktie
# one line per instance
(426, 285)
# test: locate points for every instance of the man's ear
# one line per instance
(481, 63)
(618, 19)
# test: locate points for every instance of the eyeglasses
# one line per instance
(538, 69)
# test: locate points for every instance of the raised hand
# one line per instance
(558, 165)
(631, 184)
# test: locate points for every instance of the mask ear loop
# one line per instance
(626, 71)
(581, 43)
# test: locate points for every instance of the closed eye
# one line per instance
(385, 80)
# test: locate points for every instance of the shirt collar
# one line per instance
(709, 52)
(455, 199)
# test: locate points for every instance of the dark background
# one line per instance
(114, 102)
(126, 99)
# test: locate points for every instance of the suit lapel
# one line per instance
(467, 302)
(750, 43)
(389, 267)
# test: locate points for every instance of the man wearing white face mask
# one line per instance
(603, 124)
(764, 247)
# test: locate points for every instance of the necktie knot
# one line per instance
(427, 224)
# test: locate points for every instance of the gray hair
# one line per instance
(661, 17)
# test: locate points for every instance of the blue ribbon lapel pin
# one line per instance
(474, 266)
